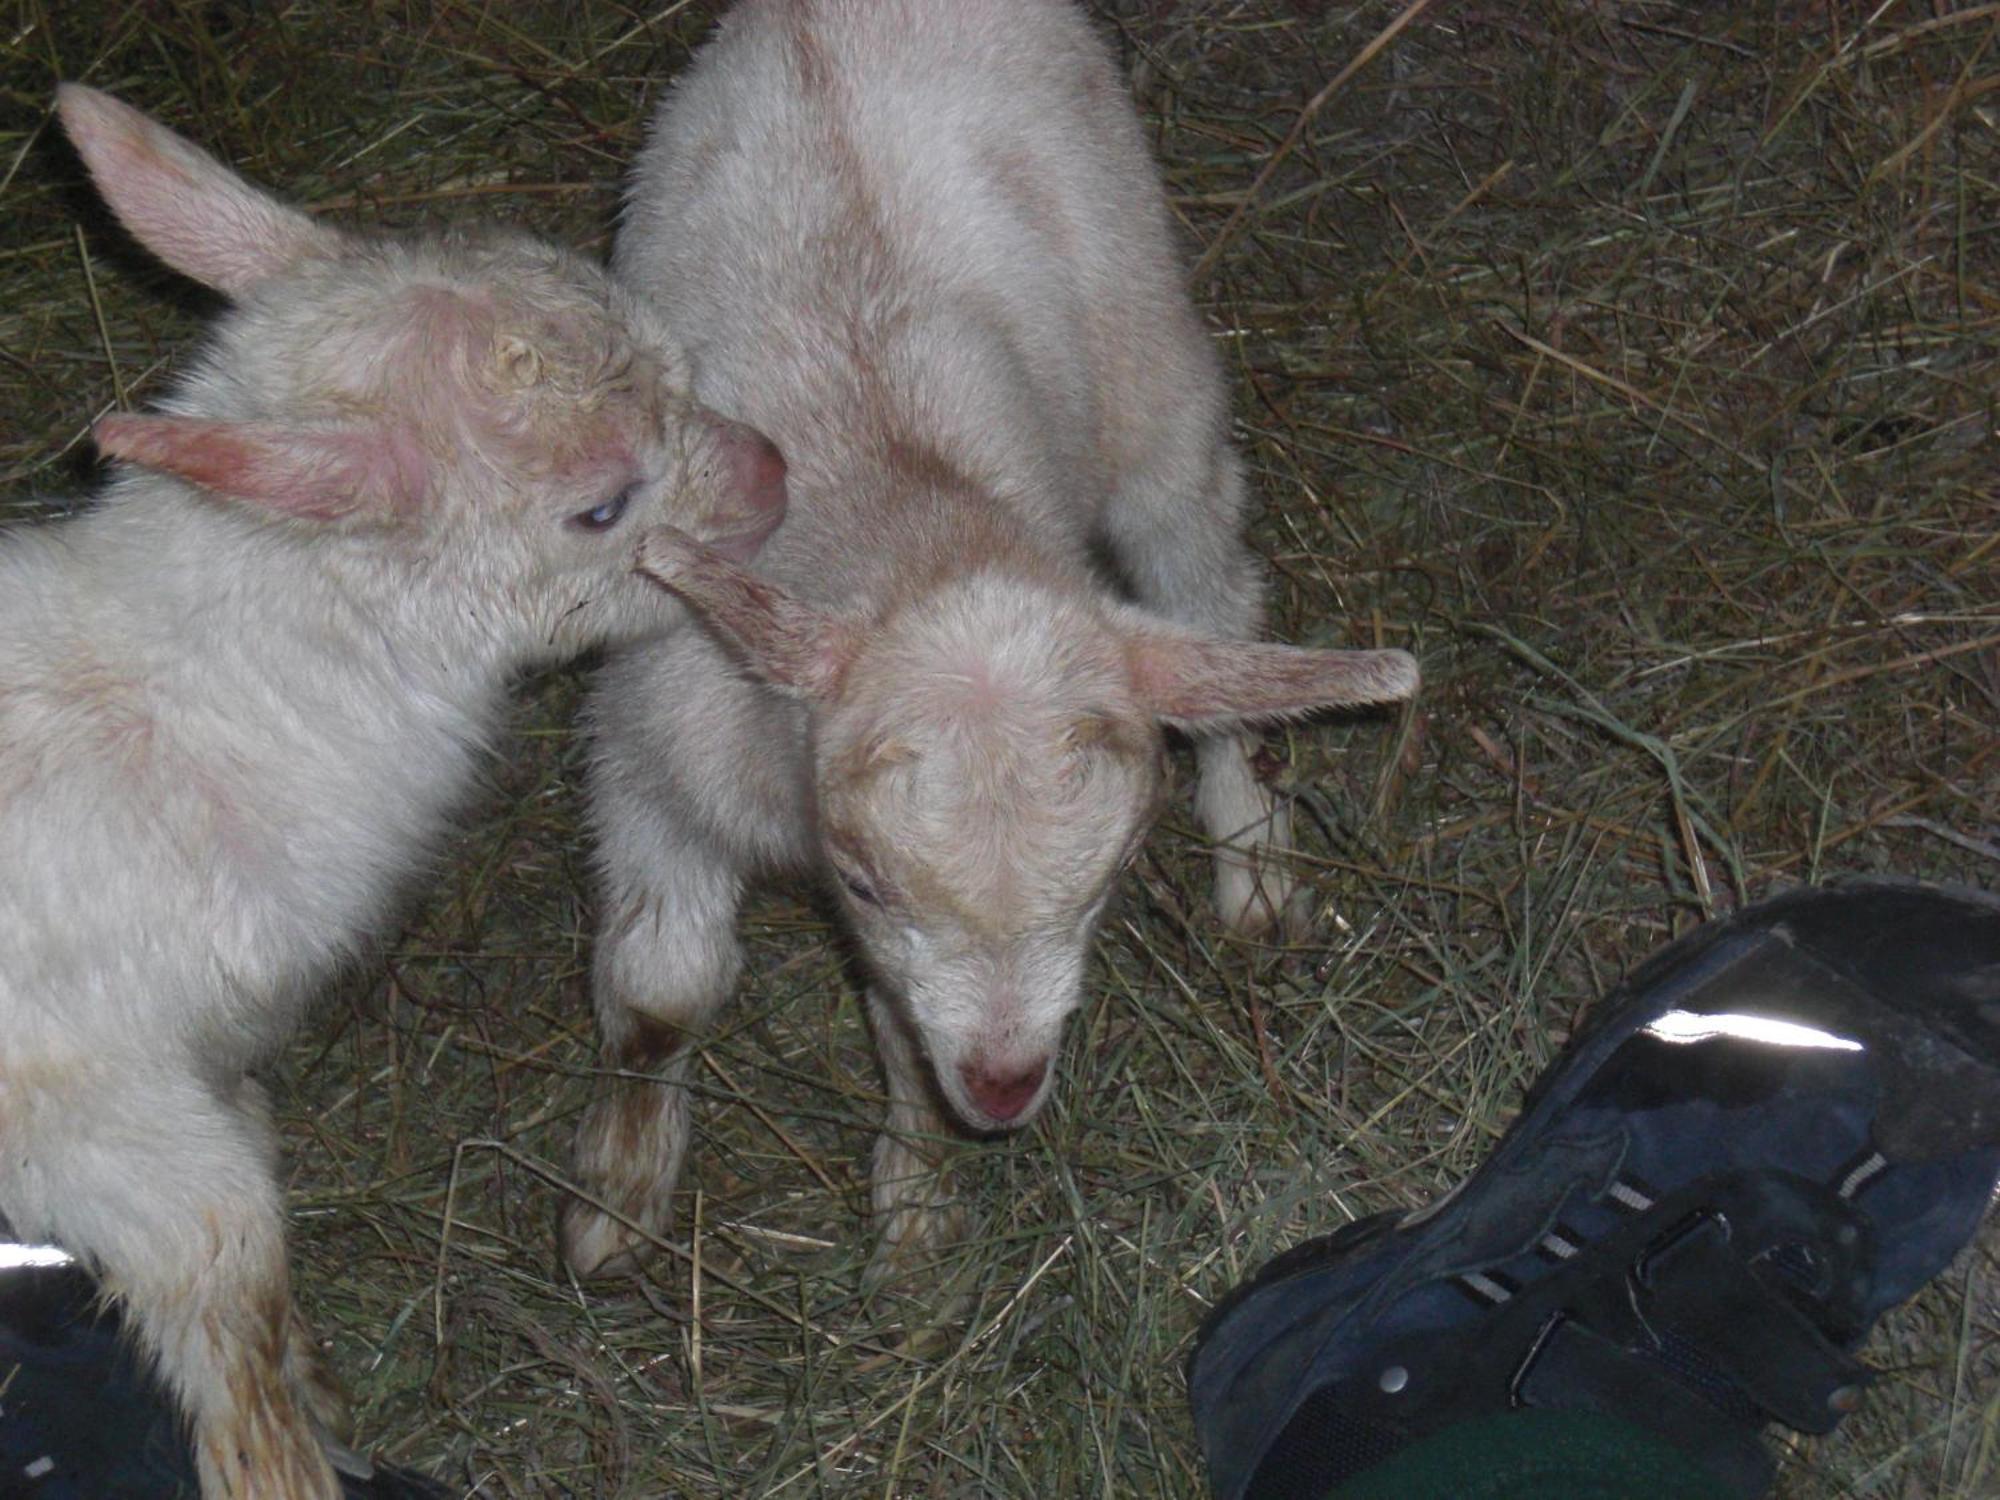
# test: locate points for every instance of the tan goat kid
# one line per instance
(922, 246)
(240, 694)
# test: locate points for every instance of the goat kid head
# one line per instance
(986, 760)
(487, 413)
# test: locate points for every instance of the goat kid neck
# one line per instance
(322, 619)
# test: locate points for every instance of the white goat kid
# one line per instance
(923, 246)
(239, 696)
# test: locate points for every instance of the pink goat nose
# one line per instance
(1003, 1095)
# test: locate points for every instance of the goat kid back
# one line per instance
(923, 246)
(240, 694)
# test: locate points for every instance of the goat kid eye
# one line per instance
(604, 517)
(859, 889)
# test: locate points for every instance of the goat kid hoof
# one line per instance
(907, 1255)
(596, 1247)
(1258, 898)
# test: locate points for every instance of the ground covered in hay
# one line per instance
(1633, 363)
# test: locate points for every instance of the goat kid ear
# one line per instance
(181, 203)
(316, 474)
(1201, 684)
(785, 641)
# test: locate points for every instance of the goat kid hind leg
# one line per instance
(1172, 520)
(167, 1191)
(1173, 525)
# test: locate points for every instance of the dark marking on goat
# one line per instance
(649, 1044)
(564, 618)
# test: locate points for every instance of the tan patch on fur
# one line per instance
(260, 1446)
(1021, 185)
(650, 1043)
(631, 1122)
(924, 463)
(628, 1128)
(867, 760)
(702, 163)
(516, 362)
(123, 725)
(809, 61)
(1109, 734)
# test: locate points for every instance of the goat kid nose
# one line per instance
(1003, 1094)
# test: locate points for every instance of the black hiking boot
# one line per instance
(1785, 1124)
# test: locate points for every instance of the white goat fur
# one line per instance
(240, 695)
(922, 246)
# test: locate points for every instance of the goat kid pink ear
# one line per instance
(181, 203)
(754, 497)
(316, 474)
(785, 641)
(1199, 684)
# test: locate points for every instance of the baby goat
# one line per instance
(241, 695)
(923, 246)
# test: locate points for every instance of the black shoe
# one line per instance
(79, 1418)
(1782, 1126)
